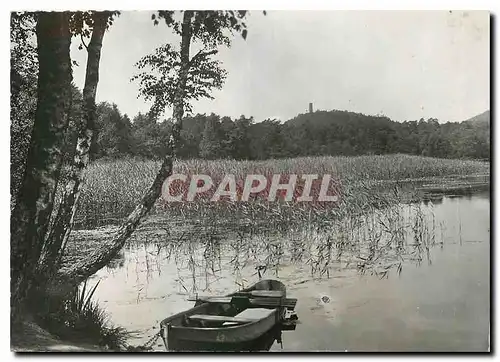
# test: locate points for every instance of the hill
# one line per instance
(319, 133)
(348, 133)
(480, 118)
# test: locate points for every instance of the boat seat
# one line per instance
(289, 303)
(220, 319)
(252, 313)
(267, 293)
(255, 313)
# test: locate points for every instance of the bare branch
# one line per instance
(202, 54)
(83, 42)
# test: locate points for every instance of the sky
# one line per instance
(406, 65)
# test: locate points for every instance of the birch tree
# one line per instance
(35, 256)
(186, 78)
(171, 77)
(54, 247)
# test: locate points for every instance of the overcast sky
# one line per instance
(405, 65)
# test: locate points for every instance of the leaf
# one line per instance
(244, 34)
(264, 12)
(91, 294)
(81, 299)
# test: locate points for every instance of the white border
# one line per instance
(198, 4)
(259, 5)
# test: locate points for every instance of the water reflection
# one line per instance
(427, 308)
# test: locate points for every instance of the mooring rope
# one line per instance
(152, 340)
(148, 346)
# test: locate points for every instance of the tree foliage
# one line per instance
(210, 144)
(317, 134)
(168, 66)
(160, 76)
(23, 79)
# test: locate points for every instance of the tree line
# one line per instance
(319, 133)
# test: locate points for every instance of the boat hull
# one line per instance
(235, 335)
(256, 335)
(262, 343)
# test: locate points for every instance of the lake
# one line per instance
(437, 302)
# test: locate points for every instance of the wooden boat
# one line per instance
(247, 320)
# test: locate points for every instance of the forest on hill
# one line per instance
(319, 133)
(312, 134)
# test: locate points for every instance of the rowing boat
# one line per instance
(247, 320)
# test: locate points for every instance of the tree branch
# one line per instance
(74, 274)
(202, 54)
(83, 42)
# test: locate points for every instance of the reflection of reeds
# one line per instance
(375, 238)
(236, 246)
(459, 224)
(297, 249)
(372, 229)
(211, 257)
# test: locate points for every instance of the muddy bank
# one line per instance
(30, 337)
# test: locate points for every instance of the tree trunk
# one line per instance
(101, 256)
(31, 214)
(56, 242)
(178, 108)
(69, 276)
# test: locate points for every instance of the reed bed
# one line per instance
(371, 227)
(113, 188)
(377, 242)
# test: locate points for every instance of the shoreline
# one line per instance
(33, 338)
(30, 337)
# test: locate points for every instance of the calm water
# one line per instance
(439, 304)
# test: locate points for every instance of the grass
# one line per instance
(370, 228)
(78, 318)
(113, 188)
